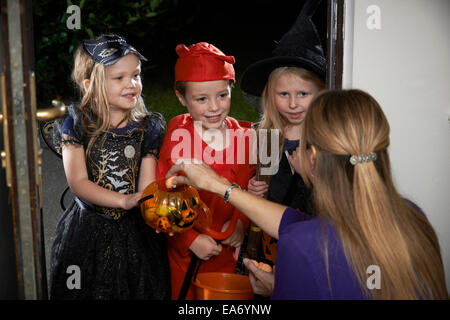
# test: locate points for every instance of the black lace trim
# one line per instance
(71, 142)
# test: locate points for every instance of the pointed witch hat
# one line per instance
(299, 47)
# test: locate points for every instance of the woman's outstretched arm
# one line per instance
(266, 214)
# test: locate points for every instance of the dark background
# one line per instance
(245, 29)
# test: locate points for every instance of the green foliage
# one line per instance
(55, 44)
(159, 96)
(154, 27)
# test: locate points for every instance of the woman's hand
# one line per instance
(198, 175)
(262, 282)
(264, 213)
(237, 237)
(130, 200)
(258, 188)
(205, 247)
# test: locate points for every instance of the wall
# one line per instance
(404, 62)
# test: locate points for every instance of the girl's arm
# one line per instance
(147, 172)
(266, 214)
(74, 161)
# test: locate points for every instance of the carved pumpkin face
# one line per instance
(173, 210)
(163, 224)
(188, 214)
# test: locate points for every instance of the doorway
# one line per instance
(247, 31)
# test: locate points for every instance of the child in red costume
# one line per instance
(203, 82)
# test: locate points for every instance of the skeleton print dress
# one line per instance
(115, 254)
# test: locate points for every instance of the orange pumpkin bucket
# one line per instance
(222, 286)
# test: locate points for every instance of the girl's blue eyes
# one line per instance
(137, 75)
(301, 94)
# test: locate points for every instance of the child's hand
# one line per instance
(258, 188)
(205, 247)
(294, 159)
(237, 237)
(130, 200)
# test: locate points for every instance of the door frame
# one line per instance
(21, 141)
(335, 44)
(19, 109)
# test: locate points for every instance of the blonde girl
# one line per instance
(286, 82)
(109, 145)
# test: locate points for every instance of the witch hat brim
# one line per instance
(255, 77)
(299, 47)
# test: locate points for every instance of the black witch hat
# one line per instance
(299, 47)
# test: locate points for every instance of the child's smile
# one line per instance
(123, 83)
(213, 118)
(208, 102)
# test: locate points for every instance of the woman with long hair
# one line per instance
(365, 241)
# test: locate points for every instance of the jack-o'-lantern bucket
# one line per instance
(222, 286)
(169, 208)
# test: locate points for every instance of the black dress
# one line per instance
(114, 254)
(288, 188)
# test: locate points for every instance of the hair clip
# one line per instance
(363, 158)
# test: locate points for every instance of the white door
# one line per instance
(399, 51)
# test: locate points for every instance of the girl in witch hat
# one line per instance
(109, 143)
(287, 82)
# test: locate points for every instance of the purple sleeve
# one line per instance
(291, 215)
(293, 277)
(415, 207)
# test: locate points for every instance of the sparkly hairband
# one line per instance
(363, 158)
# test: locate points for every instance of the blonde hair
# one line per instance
(376, 225)
(94, 100)
(271, 118)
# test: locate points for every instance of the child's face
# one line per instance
(293, 96)
(207, 101)
(123, 83)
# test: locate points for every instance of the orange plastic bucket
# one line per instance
(222, 286)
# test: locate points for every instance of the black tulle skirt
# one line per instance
(96, 257)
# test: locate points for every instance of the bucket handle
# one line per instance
(221, 235)
(191, 274)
